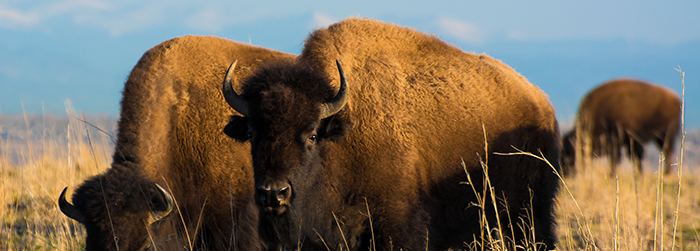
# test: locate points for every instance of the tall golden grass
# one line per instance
(628, 212)
(33, 171)
(594, 211)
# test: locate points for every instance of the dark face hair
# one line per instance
(116, 209)
(286, 131)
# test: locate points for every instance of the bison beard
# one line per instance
(416, 115)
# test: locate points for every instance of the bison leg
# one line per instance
(613, 151)
(666, 147)
(636, 154)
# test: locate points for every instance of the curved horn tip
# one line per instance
(168, 201)
(232, 98)
(340, 69)
(68, 209)
(231, 67)
(334, 105)
(341, 72)
(62, 197)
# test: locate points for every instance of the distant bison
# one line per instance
(393, 142)
(624, 112)
(172, 156)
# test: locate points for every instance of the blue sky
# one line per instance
(82, 50)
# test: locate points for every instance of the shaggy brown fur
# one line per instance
(625, 112)
(419, 109)
(170, 132)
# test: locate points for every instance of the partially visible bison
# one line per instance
(624, 112)
(372, 151)
(177, 181)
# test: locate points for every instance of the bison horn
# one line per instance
(333, 106)
(235, 101)
(167, 200)
(68, 209)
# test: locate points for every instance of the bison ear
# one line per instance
(336, 127)
(237, 128)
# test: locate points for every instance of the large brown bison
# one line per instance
(379, 159)
(624, 112)
(172, 156)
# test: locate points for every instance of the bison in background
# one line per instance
(623, 112)
(392, 141)
(176, 181)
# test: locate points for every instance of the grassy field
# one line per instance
(629, 212)
(41, 156)
(36, 163)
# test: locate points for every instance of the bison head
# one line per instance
(291, 113)
(118, 210)
(568, 153)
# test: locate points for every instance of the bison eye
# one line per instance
(250, 135)
(312, 138)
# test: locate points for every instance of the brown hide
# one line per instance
(625, 112)
(170, 133)
(418, 107)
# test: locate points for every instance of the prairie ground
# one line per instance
(38, 158)
(629, 212)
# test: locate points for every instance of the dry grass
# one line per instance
(34, 168)
(627, 212)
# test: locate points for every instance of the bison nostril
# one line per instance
(263, 194)
(269, 196)
(283, 193)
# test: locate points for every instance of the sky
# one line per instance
(81, 51)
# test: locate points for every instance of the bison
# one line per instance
(624, 112)
(176, 179)
(373, 151)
